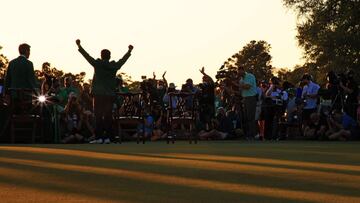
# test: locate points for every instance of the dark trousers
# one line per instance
(272, 117)
(103, 105)
(249, 114)
(350, 109)
(306, 115)
(269, 114)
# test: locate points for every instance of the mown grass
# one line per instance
(206, 172)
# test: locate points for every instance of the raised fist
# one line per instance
(202, 70)
(131, 47)
(78, 42)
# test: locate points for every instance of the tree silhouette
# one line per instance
(254, 57)
(3, 65)
(329, 32)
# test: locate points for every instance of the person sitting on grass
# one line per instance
(316, 128)
(159, 123)
(342, 127)
(73, 120)
(145, 129)
(223, 127)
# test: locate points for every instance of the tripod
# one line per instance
(334, 102)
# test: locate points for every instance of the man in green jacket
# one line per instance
(20, 75)
(103, 89)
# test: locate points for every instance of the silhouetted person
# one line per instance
(21, 75)
(247, 85)
(103, 89)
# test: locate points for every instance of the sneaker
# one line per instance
(107, 141)
(98, 141)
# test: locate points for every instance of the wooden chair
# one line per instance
(182, 113)
(24, 114)
(129, 115)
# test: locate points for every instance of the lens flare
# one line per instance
(42, 99)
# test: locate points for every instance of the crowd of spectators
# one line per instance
(239, 109)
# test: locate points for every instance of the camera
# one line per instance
(279, 102)
(336, 79)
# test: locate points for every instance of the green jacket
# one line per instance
(104, 82)
(20, 74)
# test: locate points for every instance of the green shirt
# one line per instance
(64, 94)
(104, 82)
(21, 75)
(250, 80)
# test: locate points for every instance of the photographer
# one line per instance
(150, 92)
(166, 98)
(350, 89)
(73, 119)
(316, 128)
(334, 90)
(190, 88)
(342, 127)
(310, 97)
(275, 100)
(223, 128)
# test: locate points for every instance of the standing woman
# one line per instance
(276, 99)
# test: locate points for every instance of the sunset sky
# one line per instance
(179, 36)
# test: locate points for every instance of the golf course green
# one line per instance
(224, 171)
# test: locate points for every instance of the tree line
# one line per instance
(327, 30)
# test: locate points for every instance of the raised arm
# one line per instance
(123, 60)
(164, 79)
(202, 71)
(90, 59)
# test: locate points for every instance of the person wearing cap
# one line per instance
(310, 97)
(103, 89)
(166, 98)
